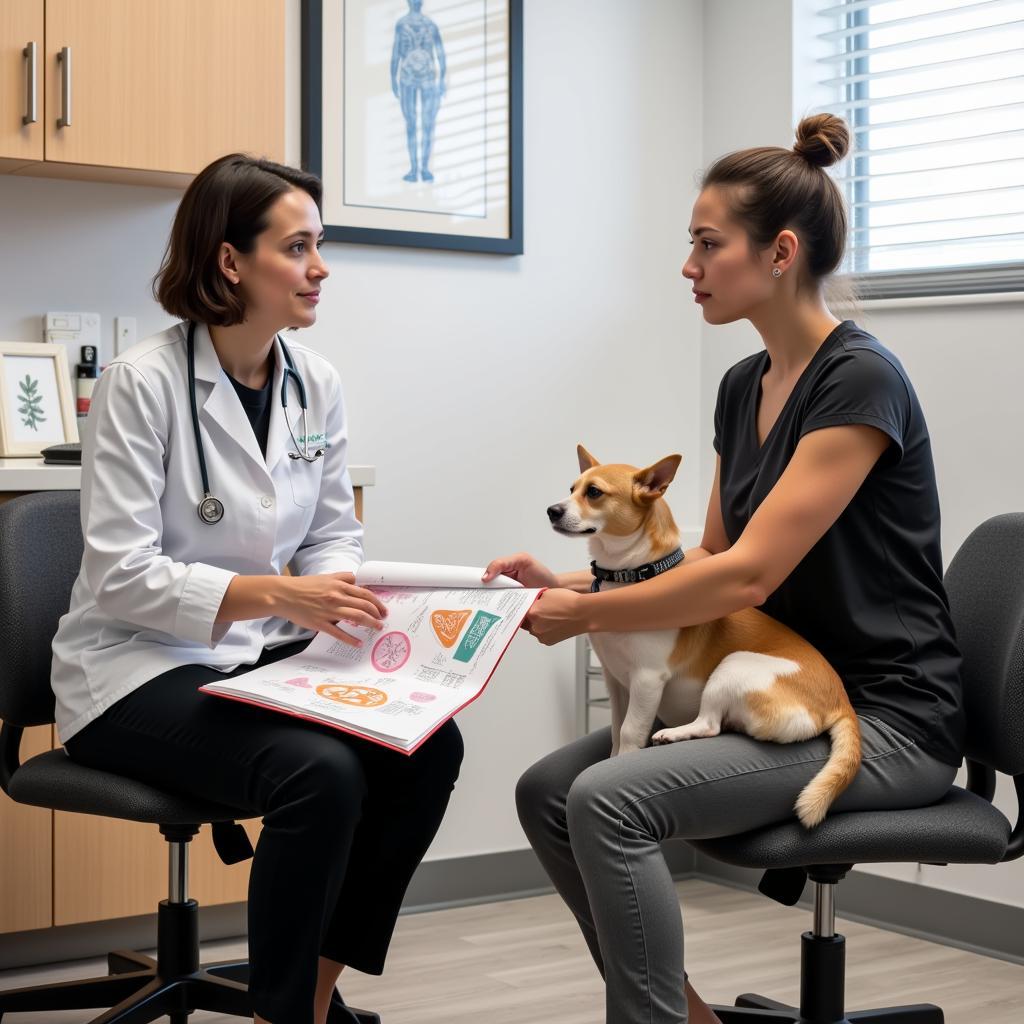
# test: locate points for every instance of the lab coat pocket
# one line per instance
(305, 481)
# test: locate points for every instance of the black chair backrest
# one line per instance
(40, 555)
(985, 584)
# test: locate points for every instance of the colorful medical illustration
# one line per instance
(448, 624)
(353, 696)
(436, 654)
(418, 69)
(482, 624)
(391, 652)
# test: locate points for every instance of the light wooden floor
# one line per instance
(524, 962)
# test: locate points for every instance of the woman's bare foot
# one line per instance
(698, 1011)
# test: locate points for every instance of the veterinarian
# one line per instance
(824, 513)
(214, 455)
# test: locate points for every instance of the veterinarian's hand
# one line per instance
(556, 615)
(321, 601)
(522, 567)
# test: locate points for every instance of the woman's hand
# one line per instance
(556, 615)
(318, 602)
(523, 568)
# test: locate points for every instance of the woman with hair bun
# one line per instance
(824, 513)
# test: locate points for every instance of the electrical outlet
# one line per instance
(125, 329)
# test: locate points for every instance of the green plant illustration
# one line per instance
(31, 409)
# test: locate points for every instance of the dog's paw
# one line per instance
(694, 731)
(663, 736)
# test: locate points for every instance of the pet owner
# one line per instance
(214, 455)
(824, 513)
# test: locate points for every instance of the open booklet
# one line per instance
(443, 637)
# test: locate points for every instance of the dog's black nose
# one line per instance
(555, 512)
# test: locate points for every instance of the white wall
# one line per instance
(965, 360)
(470, 379)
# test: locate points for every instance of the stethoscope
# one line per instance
(211, 509)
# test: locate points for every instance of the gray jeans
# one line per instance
(596, 823)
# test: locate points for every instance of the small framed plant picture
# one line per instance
(36, 408)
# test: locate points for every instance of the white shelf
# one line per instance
(363, 476)
(35, 475)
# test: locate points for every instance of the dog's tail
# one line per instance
(842, 765)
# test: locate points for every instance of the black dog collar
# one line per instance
(637, 575)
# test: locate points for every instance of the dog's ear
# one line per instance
(652, 482)
(587, 461)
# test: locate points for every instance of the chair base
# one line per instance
(750, 1008)
(139, 989)
(822, 993)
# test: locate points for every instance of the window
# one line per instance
(933, 92)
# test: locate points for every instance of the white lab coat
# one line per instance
(153, 573)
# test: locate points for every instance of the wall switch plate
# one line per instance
(125, 330)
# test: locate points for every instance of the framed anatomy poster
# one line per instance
(412, 115)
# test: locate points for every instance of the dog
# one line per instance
(745, 671)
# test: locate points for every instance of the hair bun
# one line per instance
(822, 140)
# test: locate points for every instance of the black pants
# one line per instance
(345, 821)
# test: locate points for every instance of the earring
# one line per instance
(776, 272)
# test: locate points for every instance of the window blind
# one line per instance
(933, 92)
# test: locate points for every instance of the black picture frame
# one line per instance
(313, 158)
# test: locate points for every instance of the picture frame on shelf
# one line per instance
(412, 116)
(36, 405)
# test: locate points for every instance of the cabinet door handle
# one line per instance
(64, 121)
(31, 112)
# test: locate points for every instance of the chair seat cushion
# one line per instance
(960, 829)
(54, 780)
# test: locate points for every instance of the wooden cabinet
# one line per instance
(26, 852)
(156, 88)
(22, 59)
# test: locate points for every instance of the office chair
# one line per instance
(985, 584)
(40, 554)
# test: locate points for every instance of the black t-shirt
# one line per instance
(256, 403)
(869, 594)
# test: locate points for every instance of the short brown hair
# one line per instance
(226, 202)
(770, 189)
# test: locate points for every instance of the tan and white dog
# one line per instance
(745, 671)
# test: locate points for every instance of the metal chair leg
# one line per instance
(756, 1002)
(145, 1006)
(236, 970)
(921, 1013)
(749, 1015)
(221, 995)
(124, 961)
(74, 995)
